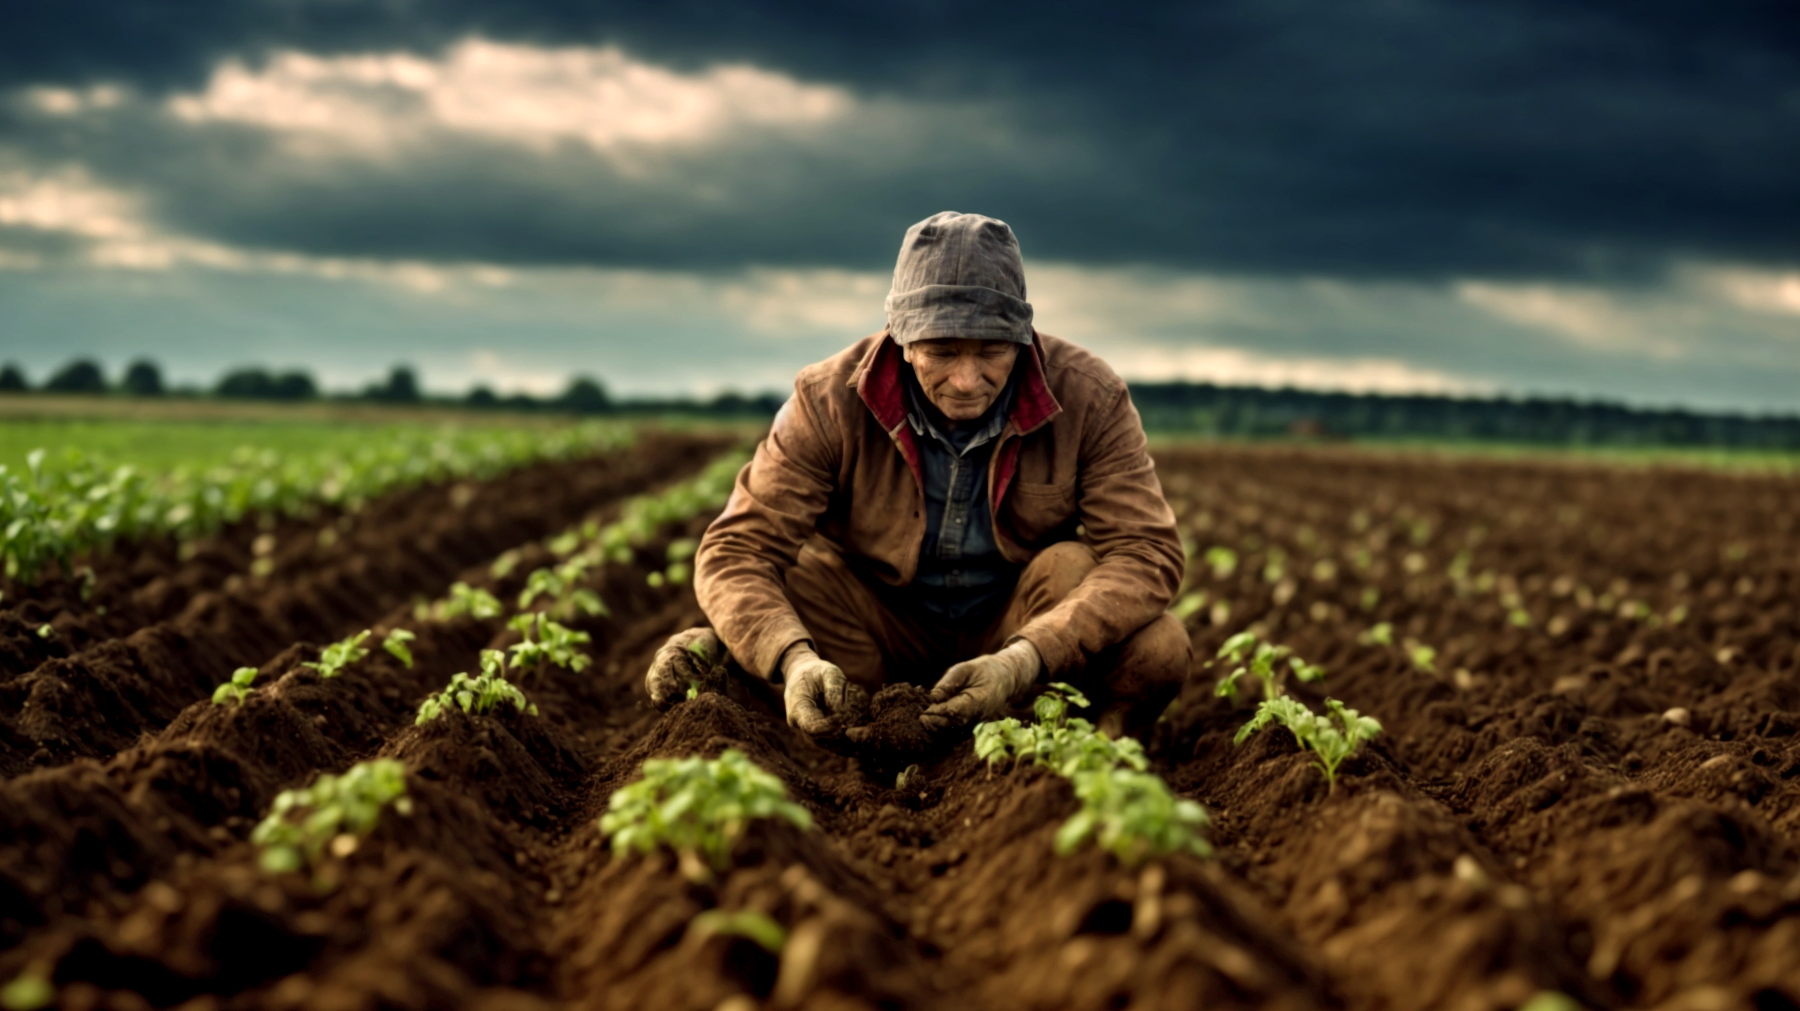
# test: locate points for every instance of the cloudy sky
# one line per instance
(1596, 198)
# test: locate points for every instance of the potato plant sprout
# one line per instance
(330, 815)
(1128, 811)
(396, 645)
(710, 668)
(235, 691)
(1067, 745)
(1262, 660)
(1134, 816)
(335, 657)
(558, 585)
(477, 695)
(462, 600)
(1222, 561)
(1188, 605)
(547, 642)
(1330, 742)
(697, 807)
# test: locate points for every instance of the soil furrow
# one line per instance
(103, 698)
(1596, 798)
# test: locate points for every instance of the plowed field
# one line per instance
(1588, 679)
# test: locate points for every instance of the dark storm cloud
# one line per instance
(1395, 139)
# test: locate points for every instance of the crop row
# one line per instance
(55, 511)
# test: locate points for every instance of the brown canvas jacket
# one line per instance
(841, 461)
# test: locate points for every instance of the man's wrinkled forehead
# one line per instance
(941, 345)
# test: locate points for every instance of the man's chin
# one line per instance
(964, 411)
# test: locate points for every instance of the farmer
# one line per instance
(956, 499)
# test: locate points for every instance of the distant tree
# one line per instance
(481, 396)
(79, 376)
(252, 383)
(256, 383)
(12, 379)
(585, 396)
(143, 379)
(294, 385)
(521, 402)
(402, 387)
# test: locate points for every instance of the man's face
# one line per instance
(962, 377)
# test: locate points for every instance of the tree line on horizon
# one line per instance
(583, 395)
(1179, 408)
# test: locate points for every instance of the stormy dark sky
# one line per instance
(1597, 199)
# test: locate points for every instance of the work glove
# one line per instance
(694, 657)
(815, 689)
(980, 689)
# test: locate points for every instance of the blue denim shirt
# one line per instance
(962, 575)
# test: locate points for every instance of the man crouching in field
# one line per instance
(957, 495)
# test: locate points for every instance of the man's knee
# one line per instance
(1156, 655)
(1056, 571)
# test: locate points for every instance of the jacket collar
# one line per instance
(881, 386)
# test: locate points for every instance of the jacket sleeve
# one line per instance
(1131, 527)
(740, 569)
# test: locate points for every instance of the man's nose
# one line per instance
(966, 377)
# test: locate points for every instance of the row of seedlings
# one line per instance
(53, 511)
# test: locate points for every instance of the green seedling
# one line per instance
(1222, 560)
(335, 657)
(697, 807)
(235, 691)
(1368, 598)
(547, 641)
(1422, 656)
(1262, 660)
(46, 632)
(463, 600)
(1275, 567)
(1065, 744)
(332, 813)
(1381, 634)
(1189, 605)
(477, 695)
(749, 924)
(545, 582)
(565, 543)
(396, 644)
(27, 992)
(712, 669)
(1329, 742)
(504, 565)
(1134, 816)
(558, 585)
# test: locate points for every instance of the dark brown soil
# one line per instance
(209, 616)
(1581, 799)
(892, 738)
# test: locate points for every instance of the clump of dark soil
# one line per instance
(893, 738)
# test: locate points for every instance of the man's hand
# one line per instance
(688, 658)
(815, 689)
(980, 689)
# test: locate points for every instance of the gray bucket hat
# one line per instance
(959, 275)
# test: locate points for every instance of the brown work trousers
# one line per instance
(875, 639)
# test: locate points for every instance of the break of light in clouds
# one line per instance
(538, 98)
(678, 208)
